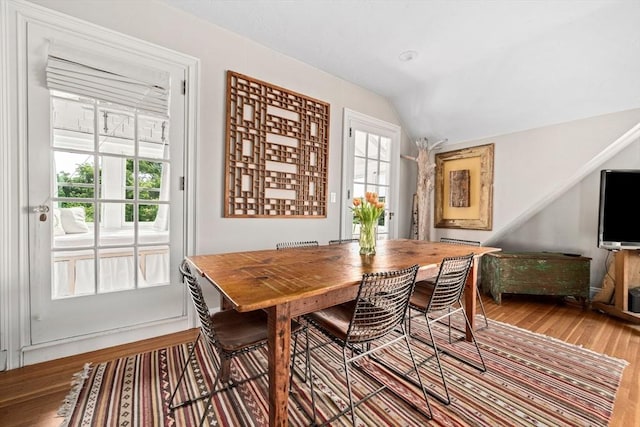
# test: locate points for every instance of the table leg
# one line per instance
(279, 326)
(470, 298)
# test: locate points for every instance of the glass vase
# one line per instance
(368, 238)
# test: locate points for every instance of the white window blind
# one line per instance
(94, 75)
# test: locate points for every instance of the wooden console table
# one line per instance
(620, 308)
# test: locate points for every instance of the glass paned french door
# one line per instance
(370, 165)
(107, 222)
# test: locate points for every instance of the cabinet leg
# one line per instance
(497, 297)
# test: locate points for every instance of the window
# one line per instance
(110, 197)
(371, 166)
(371, 153)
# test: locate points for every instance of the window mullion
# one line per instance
(136, 192)
(97, 192)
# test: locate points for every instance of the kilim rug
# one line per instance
(531, 380)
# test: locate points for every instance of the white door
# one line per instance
(107, 210)
(370, 164)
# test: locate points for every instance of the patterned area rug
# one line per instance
(531, 380)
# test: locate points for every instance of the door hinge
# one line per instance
(350, 129)
(182, 183)
(184, 87)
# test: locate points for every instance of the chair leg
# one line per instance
(346, 370)
(483, 367)
(216, 380)
(223, 374)
(184, 370)
(293, 358)
(206, 409)
(484, 313)
(449, 324)
(209, 394)
(313, 397)
(345, 362)
(308, 372)
(415, 368)
(446, 400)
(409, 317)
(293, 362)
(225, 369)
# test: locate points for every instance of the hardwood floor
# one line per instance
(587, 328)
(30, 396)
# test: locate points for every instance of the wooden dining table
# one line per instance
(292, 282)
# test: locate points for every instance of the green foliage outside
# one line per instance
(149, 175)
(81, 186)
(82, 175)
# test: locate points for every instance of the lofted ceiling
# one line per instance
(480, 67)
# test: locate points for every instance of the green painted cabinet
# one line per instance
(535, 273)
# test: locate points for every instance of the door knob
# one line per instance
(42, 210)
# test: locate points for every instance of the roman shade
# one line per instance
(94, 75)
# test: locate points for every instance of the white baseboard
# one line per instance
(77, 345)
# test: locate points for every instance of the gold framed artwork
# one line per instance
(277, 151)
(464, 188)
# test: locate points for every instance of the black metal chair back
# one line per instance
(381, 305)
(342, 241)
(459, 241)
(470, 243)
(293, 245)
(202, 309)
(449, 283)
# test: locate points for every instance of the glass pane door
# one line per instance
(371, 158)
(371, 166)
(107, 229)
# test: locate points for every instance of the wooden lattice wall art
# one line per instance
(277, 151)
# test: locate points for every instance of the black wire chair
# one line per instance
(442, 302)
(427, 285)
(342, 241)
(294, 245)
(378, 312)
(227, 334)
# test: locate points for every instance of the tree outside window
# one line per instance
(80, 185)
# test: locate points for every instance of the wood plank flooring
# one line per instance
(30, 396)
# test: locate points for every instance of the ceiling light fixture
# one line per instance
(408, 55)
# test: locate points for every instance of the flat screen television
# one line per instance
(618, 218)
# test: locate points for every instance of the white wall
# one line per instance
(531, 164)
(570, 223)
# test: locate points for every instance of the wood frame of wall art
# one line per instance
(277, 151)
(464, 188)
